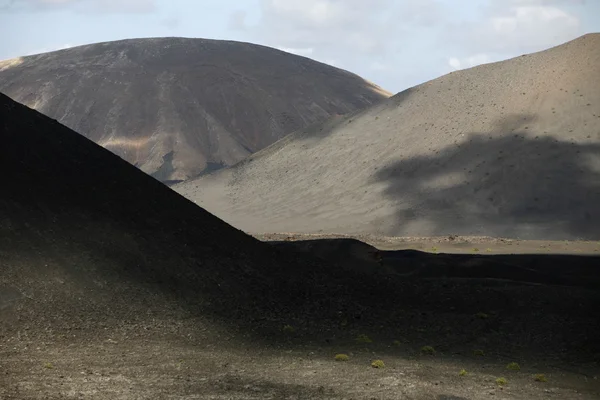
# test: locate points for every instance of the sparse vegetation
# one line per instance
(540, 378)
(48, 365)
(463, 372)
(341, 357)
(501, 381)
(363, 339)
(482, 315)
(434, 250)
(397, 343)
(378, 364)
(288, 329)
(513, 366)
(479, 353)
(428, 350)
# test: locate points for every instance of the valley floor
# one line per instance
(455, 244)
(164, 369)
(471, 322)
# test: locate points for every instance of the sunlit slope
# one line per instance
(504, 149)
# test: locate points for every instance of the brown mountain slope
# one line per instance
(504, 149)
(176, 107)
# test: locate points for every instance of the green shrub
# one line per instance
(288, 329)
(377, 364)
(363, 339)
(463, 372)
(427, 350)
(540, 378)
(501, 381)
(513, 366)
(341, 357)
(478, 352)
(397, 343)
(48, 365)
(481, 315)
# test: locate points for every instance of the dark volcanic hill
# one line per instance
(176, 107)
(508, 149)
(88, 241)
(77, 220)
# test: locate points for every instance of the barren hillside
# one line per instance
(508, 149)
(112, 286)
(178, 107)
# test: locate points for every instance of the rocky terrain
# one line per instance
(112, 286)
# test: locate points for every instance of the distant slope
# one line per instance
(177, 107)
(504, 149)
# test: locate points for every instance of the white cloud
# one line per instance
(519, 26)
(354, 33)
(406, 42)
(454, 63)
(48, 48)
(310, 12)
(86, 6)
(540, 2)
(379, 66)
(301, 52)
(237, 20)
(509, 28)
(469, 62)
(170, 22)
(330, 27)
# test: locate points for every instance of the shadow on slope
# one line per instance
(518, 305)
(312, 134)
(90, 245)
(322, 130)
(88, 238)
(547, 269)
(507, 183)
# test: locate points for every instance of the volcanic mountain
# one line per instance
(178, 107)
(509, 149)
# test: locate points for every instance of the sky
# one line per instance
(394, 43)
